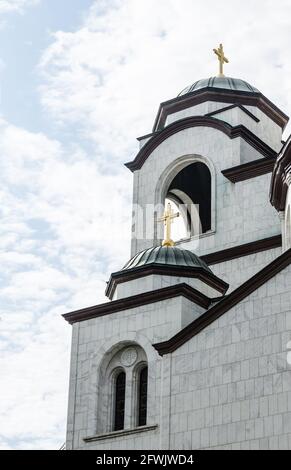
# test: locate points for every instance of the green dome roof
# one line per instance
(225, 83)
(168, 260)
(164, 255)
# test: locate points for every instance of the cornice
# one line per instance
(165, 270)
(134, 301)
(220, 95)
(223, 306)
(245, 249)
(250, 170)
(199, 121)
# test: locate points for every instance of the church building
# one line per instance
(191, 350)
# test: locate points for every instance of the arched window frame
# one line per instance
(109, 368)
(164, 183)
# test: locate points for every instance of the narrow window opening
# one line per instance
(119, 401)
(142, 396)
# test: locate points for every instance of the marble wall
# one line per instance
(227, 387)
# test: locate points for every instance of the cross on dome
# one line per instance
(167, 218)
(221, 58)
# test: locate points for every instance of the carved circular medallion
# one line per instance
(128, 357)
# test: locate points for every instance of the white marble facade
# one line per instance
(229, 386)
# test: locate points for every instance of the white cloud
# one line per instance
(60, 246)
(65, 213)
(110, 75)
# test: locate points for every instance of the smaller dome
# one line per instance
(225, 83)
(168, 261)
(164, 255)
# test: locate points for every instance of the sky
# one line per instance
(79, 81)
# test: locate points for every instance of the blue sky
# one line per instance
(80, 80)
(23, 39)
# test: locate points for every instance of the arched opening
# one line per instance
(119, 401)
(122, 388)
(191, 192)
(142, 396)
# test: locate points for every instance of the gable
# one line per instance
(232, 132)
(277, 276)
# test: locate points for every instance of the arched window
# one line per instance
(191, 192)
(142, 396)
(122, 389)
(119, 400)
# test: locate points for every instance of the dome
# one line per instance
(164, 255)
(225, 83)
(168, 261)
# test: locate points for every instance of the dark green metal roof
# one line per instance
(171, 256)
(226, 83)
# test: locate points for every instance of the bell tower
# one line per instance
(211, 153)
(180, 355)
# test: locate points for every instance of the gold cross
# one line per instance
(167, 219)
(221, 58)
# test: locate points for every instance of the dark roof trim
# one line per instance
(199, 121)
(222, 96)
(243, 250)
(279, 186)
(233, 106)
(228, 302)
(165, 270)
(137, 301)
(213, 113)
(250, 170)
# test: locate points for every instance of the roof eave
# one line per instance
(165, 269)
(219, 94)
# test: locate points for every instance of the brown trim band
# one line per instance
(137, 301)
(199, 121)
(250, 170)
(213, 113)
(243, 250)
(233, 106)
(223, 96)
(228, 302)
(279, 185)
(165, 270)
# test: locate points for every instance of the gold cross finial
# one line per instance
(167, 219)
(221, 58)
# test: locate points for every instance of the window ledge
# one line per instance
(122, 433)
